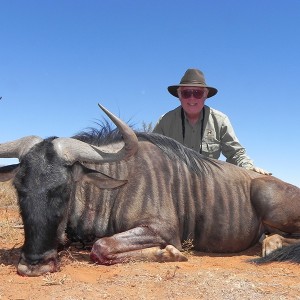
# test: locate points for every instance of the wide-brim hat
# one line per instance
(193, 78)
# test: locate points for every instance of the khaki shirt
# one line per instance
(218, 135)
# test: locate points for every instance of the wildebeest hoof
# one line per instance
(271, 243)
(48, 264)
(170, 253)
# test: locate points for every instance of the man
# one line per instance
(201, 127)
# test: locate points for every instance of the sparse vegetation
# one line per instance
(10, 221)
(54, 279)
(8, 195)
(188, 246)
(147, 127)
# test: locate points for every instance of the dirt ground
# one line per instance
(203, 276)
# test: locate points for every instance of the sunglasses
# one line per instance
(198, 94)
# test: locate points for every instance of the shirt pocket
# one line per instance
(211, 149)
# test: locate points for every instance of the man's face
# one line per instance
(192, 99)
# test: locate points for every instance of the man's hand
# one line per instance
(261, 171)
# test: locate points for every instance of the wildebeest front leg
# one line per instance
(135, 244)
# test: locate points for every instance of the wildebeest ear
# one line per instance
(8, 172)
(101, 180)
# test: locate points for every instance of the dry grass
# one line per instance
(54, 279)
(8, 196)
(10, 221)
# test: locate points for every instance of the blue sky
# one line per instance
(58, 59)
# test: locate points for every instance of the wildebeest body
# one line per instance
(186, 205)
(153, 194)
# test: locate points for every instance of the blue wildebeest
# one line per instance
(139, 197)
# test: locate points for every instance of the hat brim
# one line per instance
(173, 89)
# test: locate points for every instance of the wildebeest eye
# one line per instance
(58, 191)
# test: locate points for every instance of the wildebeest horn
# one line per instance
(73, 150)
(129, 137)
(18, 148)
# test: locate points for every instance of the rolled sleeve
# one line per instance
(231, 147)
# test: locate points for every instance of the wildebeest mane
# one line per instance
(197, 162)
(105, 135)
(100, 136)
